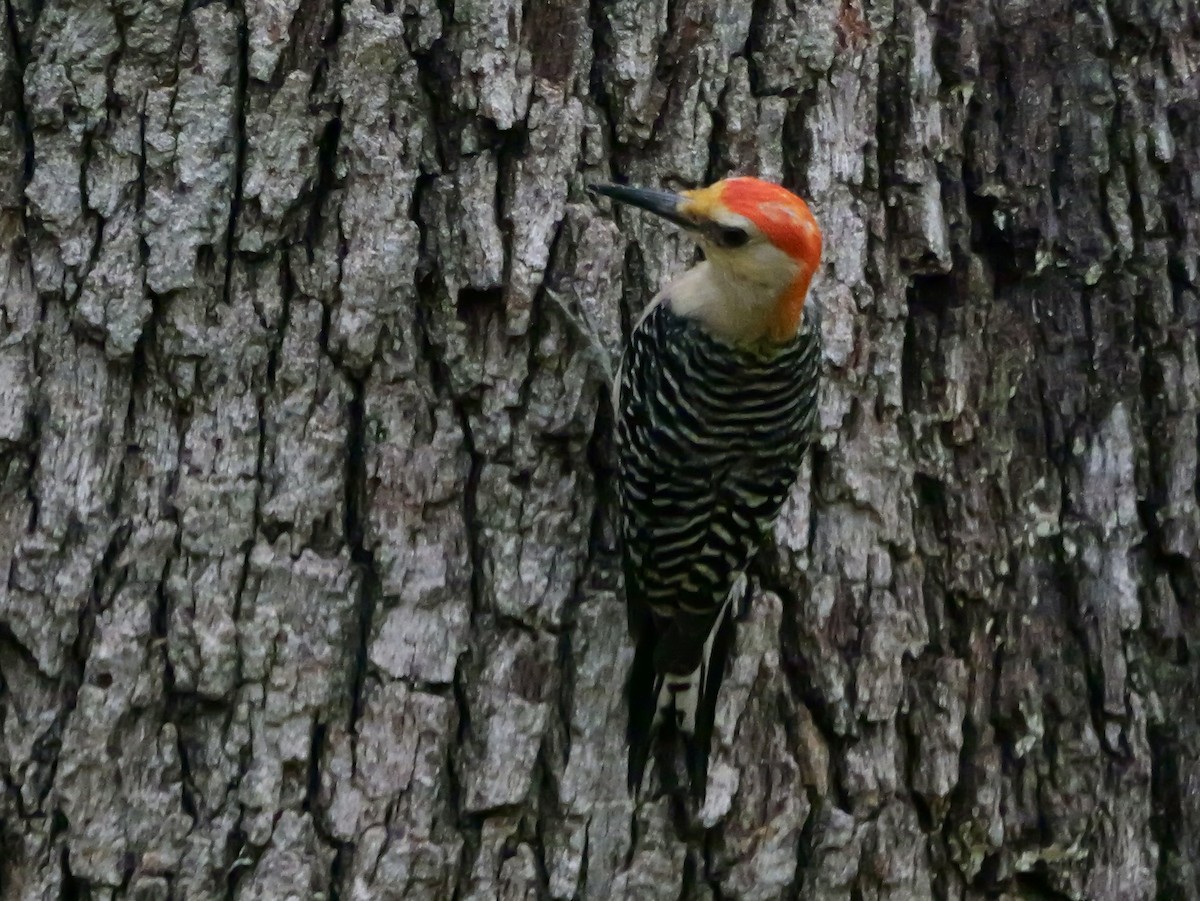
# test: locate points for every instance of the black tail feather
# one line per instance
(642, 695)
(699, 745)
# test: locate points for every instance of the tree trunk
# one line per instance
(305, 454)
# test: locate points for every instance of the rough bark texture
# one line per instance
(307, 569)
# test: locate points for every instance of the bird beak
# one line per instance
(663, 203)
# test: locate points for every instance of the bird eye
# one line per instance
(731, 236)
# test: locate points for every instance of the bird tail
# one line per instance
(642, 693)
(698, 742)
(689, 700)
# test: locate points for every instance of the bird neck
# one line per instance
(789, 307)
(736, 310)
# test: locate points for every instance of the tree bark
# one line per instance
(305, 449)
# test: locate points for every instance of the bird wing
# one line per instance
(681, 574)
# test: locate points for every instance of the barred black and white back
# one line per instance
(710, 439)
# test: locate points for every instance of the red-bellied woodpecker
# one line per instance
(715, 405)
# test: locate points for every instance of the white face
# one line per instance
(743, 256)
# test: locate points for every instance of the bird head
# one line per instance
(760, 240)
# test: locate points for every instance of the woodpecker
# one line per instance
(715, 405)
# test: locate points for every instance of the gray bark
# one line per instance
(305, 463)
